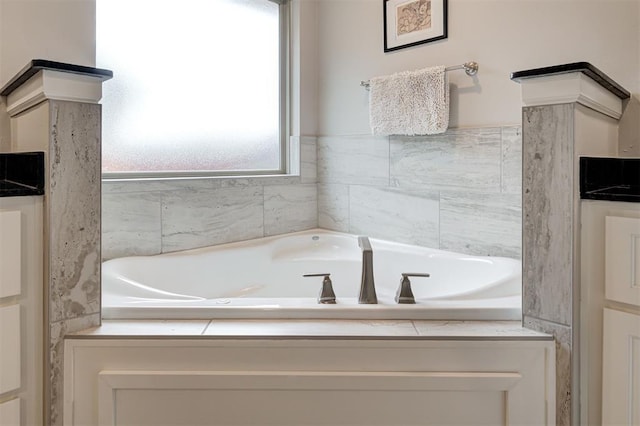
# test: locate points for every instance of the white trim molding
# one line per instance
(568, 88)
(51, 84)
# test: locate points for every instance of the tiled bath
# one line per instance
(458, 191)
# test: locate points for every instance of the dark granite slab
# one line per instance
(584, 67)
(36, 65)
(21, 174)
(614, 179)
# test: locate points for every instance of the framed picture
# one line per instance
(412, 22)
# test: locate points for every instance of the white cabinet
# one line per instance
(621, 326)
(319, 382)
(10, 351)
(608, 274)
(21, 311)
(10, 413)
(621, 369)
(10, 253)
(622, 252)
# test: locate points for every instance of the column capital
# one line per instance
(41, 80)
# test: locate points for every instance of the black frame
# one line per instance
(445, 14)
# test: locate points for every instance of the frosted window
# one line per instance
(196, 85)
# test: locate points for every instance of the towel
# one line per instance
(410, 102)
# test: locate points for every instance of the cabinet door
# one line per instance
(621, 369)
(622, 254)
(10, 413)
(10, 250)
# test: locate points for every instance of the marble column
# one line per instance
(570, 111)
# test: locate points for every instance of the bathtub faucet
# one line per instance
(367, 286)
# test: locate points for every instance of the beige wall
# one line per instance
(501, 35)
(59, 30)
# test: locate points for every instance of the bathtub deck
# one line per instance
(314, 329)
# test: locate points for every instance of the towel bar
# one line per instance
(471, 68)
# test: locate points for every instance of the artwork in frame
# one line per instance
(412, 22)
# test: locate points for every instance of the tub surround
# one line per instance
(612, 179)
(566, 114)
(457, 191)
(54, 108)
(21, 174)
(303, 329)
(235, 373)
(145, 217)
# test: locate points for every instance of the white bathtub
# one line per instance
(262, 278)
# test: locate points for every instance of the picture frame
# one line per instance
(412, 22)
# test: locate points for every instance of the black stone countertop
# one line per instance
(613, 179)
(36, 65)
(21, 174)
(584, 67)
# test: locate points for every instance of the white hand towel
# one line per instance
(410, 103)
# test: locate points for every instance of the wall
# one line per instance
(458, 191)
(501, 35)
(151, 217)
(59, 30)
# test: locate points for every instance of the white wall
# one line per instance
(59, 30)
(501, 35)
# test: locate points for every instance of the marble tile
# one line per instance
(206, 218)
(73, 195)
(512, 160)
(548, 212)
(131, 224)
(308, 159)
(290, 208)
(403, 216)
(463, 159)
(478, 329)
(481, 224)
(58, 330)
(562, 335)
(144, 328)
(170, 185)
(119, 186)
(333, 207)
(310, 328)
(266, 180)
(362, 160)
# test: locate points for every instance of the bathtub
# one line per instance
(262, 278)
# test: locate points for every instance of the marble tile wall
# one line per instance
(459, 191)
(144, 218)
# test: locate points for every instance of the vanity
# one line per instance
(610, 290)
(21, 289)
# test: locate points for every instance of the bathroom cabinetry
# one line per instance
(621, 338)
(610, 312)
(305, 381)
(21, 307)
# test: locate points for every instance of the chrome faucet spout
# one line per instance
(367, 285)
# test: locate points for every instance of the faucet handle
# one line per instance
(326, 296)
(404, 294)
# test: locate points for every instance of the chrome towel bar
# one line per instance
(471, 68)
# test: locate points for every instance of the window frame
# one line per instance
(284, 124)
